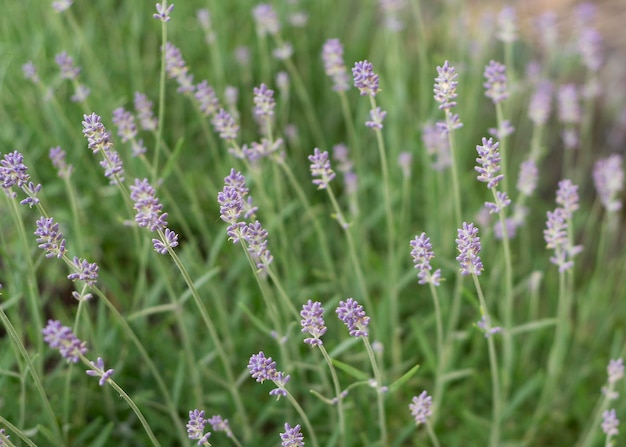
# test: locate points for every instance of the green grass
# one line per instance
(179, 329)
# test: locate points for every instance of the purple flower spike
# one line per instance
(256, 238)
(263, 368)
(487, 328)
(312, 314)
(354, 317)
(57, 156)
(100, 371)
(590, 49)
(495, 85)
(147, 205)
(421, 407)
(62, 338)
(615, 370)
(207, 99)
(445, 86)
(422, 253)
(264, 102)
(225, 125)
(569, 106)
(177, 69)
(540, 105)
(489, 159)
(30, 72)
(143, 106)
(320, 167)
(49, 237)
(502, 201)
(266, 20)
(608, 177)
(507, 25)
(468, 244)
(169, 241)
(125, 122)
(292, 437)
(163, 13)
(377, 116)
(66, 65)
(219, 424)
(13, 170)
(84, 271)
(332, 56)
(610, 423)
(567, 197)
(527, 180)
(365, 79)
(195, 427)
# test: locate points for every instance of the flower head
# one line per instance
(567, 197)
(263, 368)
(292, 437)
(445, 86)
(143, 106)
(13, 170)
(195, 427)
(66, 65)
(264, 102)
(468, 244)
(100, 371)
(527, 179)
(266, 19)
(30, 72)
(169, 241)
(377, 116)
(541, 103)
(206, 98)
(495, 85)
(332, 56)
(62, 338)
(176, 68)
(615, 370)
(125, 122)
(421, 407)
(354, 317)
(422, 253)
(225, 125)
(256, 238)
(320, 167)
(365, 79)
(569, 107)
(312, 314)
(489, 160)
(163, 13)
(84, 271)
(147, 206)
(608, 177)
(507, 25)
(49, 237)
(61, 5)
(57, 156)
(219, 424)
(610, 423)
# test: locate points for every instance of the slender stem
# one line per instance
(379, 392)
(305, 418)
(339, 397)
(160, 124)
(456, 191)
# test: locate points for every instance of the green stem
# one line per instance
(379, 392)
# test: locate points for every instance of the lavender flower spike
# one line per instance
(292, 437)
(13, 170)
(100, 371)
(421, 407)
(219, 424)
(49, 237)
(312, 314)
(62, 338)
(169, 241)
(225, 125)
(365, 79)
(468, 244)
(84, 271)
(422, 253)
(354, 317)
(266, 20)
(163, 13)
(567, 197)
(489, 159)
(195, 427)
(264, 368)
(610, 423)
(147, 205)
(264, 102)
(608, 177)
(377, 116)
(143, 106)
(495, 85)
(332, 56)
(320, 167)
(445, 86)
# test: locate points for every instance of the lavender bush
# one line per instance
(328, 223)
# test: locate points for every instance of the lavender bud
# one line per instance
(66, 65)
(169, 241)
(445, 86)
(265, 19)
(30, 72)
(176, 68)
(147, 205)
(421, 407)
(206, 98)
(84, 271)
(292, 437)
(100, 371)
(608, 177)
(49, 238)
(312, 314)
(195, 427)
(143, 106)
(590, 48)
(615, 370)
(61, 5)
(502, 201)
(610, 423)
(365, 79)
(495, 85)
(567, 197)
(354, 317)
(283, 52)
(332, 56)
(225, 125)
(62, 338)
(485, 325)
(489, 159)
(422, 253)
(541, 104)
(377, 116)
(219, 424)
(507, 25)
(125, 122)
(13, 170)
(569, 107)
(468, 245)
(527, 179)
(263, 368)
(320, 167)
(264, 102)
(163, 13)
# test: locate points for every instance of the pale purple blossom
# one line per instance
(49, 237)
(283, 52)
(527, 179)
(504, 130)
(30, 72)
(489, 160)
(146, 117)
(163, 12)
(81, 93)
(610, 423)
(365, 79)
(125, 122)
(468, 245)
(100, 371)
(567, 197)
(62, 338)
(501, 201)
(61, 5)
(332, 56)
(354, 317)
(496, 83)
(57, 156)
(265, 19)
(312, 322)
(421, 407)
(507, 25)
(84, 271)
(225, 125)
(540, 105)
(195, 427)
(220, 424)
(169, 241)
(206, 99)
(256, 239)
(445, 86)
(591, 49)
(176, 68)
(451, 123)
(66, 64)
(292, 437)
(485, 325)
(320, 167)
(422, 253)
(377, 116)
(608, 178)
(13, 171)
(264, 103)
(263, 368)
(569, 106)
